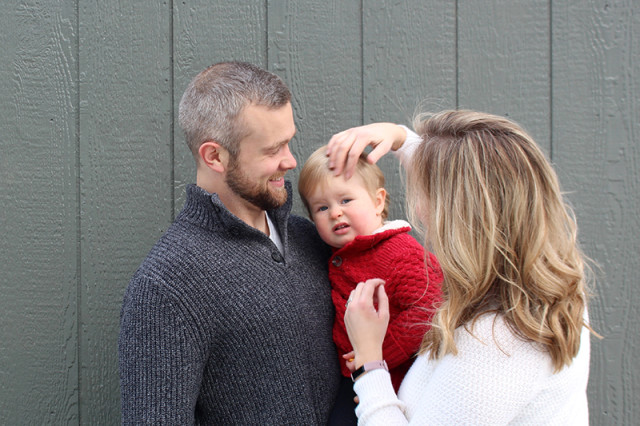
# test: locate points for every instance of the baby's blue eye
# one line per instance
(346, 200)
(322, 208)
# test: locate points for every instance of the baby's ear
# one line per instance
(381, 196)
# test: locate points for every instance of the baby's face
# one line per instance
(343, 209)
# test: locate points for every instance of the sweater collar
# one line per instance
(392, 225)
(207, 210)
(387, 230)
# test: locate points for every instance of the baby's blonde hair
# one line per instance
(316, 171)
(496, 220)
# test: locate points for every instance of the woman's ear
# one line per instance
(381, 197)
(214, 156)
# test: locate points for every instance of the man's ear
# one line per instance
(214, 156)
(381, 196)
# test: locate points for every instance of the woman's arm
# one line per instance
(366, 327)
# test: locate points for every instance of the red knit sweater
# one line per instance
(413, 288)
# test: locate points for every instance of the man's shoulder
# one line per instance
(172, 252)
(179, 238)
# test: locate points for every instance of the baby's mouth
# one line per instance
(340, 226)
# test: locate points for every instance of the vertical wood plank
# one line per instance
(315, 47)
(409, 55)
(205, 33)
(504, 61)
(125, 170)
(38, 194)
(596, 123)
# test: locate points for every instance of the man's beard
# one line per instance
(258, 194)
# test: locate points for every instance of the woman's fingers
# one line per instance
(345, 148)
(365, 291)
(366, 325)
(383, 303)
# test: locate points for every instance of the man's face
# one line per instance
(257, 174)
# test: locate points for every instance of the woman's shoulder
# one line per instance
(491, 356)
(490, 335)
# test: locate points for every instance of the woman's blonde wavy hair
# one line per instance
(496, 220)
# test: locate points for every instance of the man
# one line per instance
(228, 320)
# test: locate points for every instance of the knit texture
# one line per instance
(218, 328)
(496, 379)
(412, 287)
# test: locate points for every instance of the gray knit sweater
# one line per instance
(218, 328)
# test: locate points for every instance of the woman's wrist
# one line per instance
(401, 136)
(369, 366)
(361, 359)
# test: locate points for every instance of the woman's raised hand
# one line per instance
(344, 148)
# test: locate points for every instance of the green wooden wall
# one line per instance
(93, 165)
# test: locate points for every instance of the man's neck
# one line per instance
(241, 208)
(246, 212)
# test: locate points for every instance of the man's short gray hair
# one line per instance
(211, 105)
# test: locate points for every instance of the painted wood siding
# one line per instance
(93, 165)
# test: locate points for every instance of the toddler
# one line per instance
(350, 217)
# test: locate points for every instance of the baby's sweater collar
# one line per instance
(388, 229)
(392, 224)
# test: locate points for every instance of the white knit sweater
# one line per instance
(496, 378)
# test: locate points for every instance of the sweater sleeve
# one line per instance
(413, 290)
(161, 361)
(409, 146)
(487, 383)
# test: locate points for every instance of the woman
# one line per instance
(509, 343)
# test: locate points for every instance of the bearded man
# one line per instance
(229, 318)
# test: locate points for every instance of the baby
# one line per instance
(350, 217)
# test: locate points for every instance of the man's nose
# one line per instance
(289, 161)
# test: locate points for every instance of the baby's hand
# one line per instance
(350, 361)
